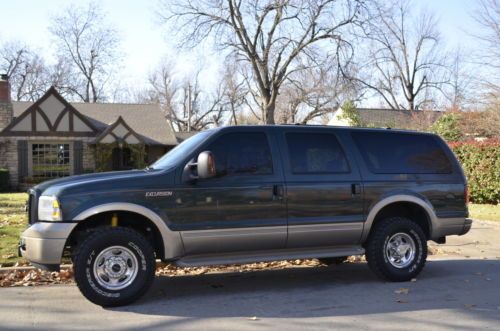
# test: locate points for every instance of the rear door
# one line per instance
(323, 189)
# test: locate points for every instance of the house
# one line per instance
(393, 118)
(53, 137)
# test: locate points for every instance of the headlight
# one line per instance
(49, 209)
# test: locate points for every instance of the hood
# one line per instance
(101, 181)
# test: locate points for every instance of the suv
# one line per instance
(252, 193)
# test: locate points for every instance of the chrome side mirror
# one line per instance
(206, 165)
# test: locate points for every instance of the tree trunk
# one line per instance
(411, 103)
(269, 111)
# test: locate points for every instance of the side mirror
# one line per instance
(206, 165)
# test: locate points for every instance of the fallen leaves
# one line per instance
(65, 276)
(173, 270)
(402, 290)
(35, 277)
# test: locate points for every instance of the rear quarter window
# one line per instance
(402, 153)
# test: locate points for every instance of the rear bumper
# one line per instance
(467, 226)
(451, 226)
(42, 244)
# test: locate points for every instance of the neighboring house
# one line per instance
(181, 136)
(53, 138)
(393, 118)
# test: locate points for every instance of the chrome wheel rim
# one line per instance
(115, 268)
(400, 250)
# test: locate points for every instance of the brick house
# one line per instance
(53, 138)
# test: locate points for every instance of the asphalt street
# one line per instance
(454, 292)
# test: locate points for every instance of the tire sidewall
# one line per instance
(84, 271)
(420, 250)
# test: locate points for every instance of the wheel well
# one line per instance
(128, 219)
(410, 210)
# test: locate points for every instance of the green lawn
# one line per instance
(484, 212)
(12, 222)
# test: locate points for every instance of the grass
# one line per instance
(484, 212)
(13, 221)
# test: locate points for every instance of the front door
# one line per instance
(323, 190)
(242, 207)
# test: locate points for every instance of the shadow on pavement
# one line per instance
(342, 290)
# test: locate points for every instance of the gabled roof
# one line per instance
(183, 135)
(396, 118)
(37, 119)
(146, 120)
(120, 131)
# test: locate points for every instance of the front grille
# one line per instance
(32, 207)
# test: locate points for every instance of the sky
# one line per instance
(145, 42)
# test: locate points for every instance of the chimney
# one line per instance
(6, 111)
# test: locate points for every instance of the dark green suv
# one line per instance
(252, 193)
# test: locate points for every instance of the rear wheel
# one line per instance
(114, 267)
(396, 249)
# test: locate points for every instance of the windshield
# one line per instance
(175, 155)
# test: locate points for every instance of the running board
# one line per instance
(266, 256)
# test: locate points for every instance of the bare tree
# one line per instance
(458, 91)
(314, 93)
(13, 54)
(270, 36)
(234, 90)
(405, 63)
(163, 88)
(90, 47)
(488, 17)
(185, 104)
(27, 71)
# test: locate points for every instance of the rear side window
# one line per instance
(245, 153)
(315, 153)
(399, 153)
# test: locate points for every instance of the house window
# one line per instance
(121, 159)
(49, 160)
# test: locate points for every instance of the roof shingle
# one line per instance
(145, 119)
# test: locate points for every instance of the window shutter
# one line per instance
(78, 157)
(22, 159)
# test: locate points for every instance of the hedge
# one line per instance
(481, 163)
(4, 180)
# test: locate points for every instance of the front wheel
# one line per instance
(396, 249)
(114, 266)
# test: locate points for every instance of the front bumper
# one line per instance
(42, 244)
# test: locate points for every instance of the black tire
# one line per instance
(378, 241)
(133, 244)
(333, 260)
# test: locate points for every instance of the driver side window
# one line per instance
(245, 153)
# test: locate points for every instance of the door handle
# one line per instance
(355, 189)
(277, 192)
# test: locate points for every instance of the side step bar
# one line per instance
(266, 256)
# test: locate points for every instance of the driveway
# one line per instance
(458, 289)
